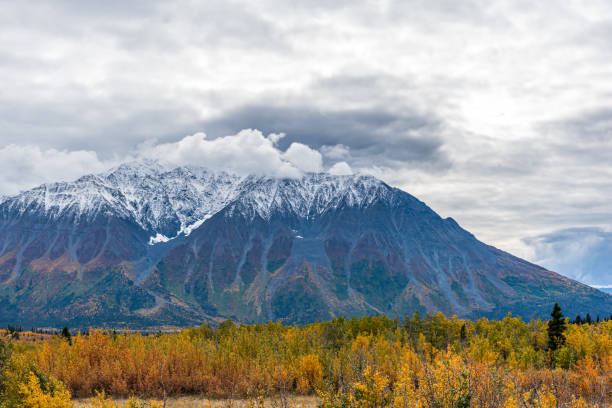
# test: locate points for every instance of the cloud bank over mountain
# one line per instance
(26, 166)
(247, 152)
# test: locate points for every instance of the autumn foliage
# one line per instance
(369, 362)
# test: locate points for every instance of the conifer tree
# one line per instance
(556, 327)
(588, 319)
(65, 333)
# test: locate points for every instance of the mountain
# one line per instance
(144, 245)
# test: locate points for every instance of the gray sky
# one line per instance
(498, 114)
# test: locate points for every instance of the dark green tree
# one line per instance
(578, 320)
(588, 319)
(225, 327)
(65, 333)
(556, 327)
(462, 334)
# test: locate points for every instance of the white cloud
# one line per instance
(304, 158)
(275, 137)
(26, 166)
(246, 152)
(340, 169)
(335, 152)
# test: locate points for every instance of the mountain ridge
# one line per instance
(122, 190)
(143, 245)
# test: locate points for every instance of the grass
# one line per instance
(198, 402)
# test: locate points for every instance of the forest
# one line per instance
(420, 361)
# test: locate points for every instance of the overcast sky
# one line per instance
(498, 114)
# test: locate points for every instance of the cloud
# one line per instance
(23, 167)
(340, 169)
(247, 152)
(335, 152)
(304, 158)
(275, 137)
(584, 254)
(373, 136)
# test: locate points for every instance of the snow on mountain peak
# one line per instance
(170, 201)
(308, 196)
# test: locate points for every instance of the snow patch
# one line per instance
(190, 228)
(158, 238)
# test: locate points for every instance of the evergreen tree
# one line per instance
(597, 321)
(578, 320)
(65, 333)
(588, 319)
(556, 327)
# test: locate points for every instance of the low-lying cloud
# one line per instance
(27, 166)
(584, 254)
(246, 152)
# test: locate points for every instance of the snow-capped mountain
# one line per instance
(145, 244)
(158, 199)
(169, 202)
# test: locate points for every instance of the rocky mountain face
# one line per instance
(145, 246)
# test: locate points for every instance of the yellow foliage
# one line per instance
(100, 400)
(310, 373)
(368, 362)
(372, 391)
(32, 395)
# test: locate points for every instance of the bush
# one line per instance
(24, 386)
(32, 394)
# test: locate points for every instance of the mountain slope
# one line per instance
(144, 245)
